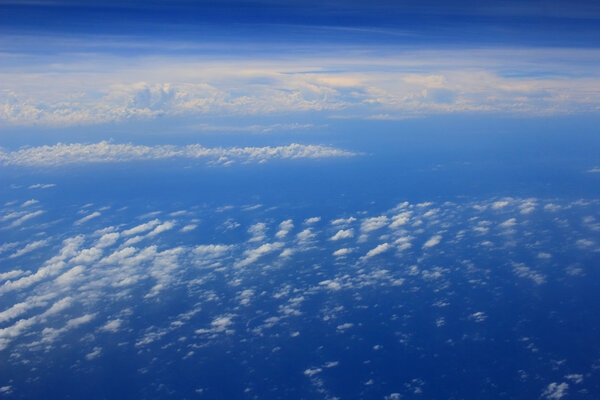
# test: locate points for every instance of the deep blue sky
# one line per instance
(545, 23)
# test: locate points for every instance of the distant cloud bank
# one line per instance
(104, 152)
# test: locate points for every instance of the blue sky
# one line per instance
(299, 199)
(277, 65)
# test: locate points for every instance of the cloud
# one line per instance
(371, 224)
(255, 254)
(433, 241)
(112, 326)
(42, 186)
(306, 236)
(426, 81)
(343, 221)
(555, 391)
(29, 203)
(313, 220)
(343, 234)
(189, 228)
(29, 247)
(499, 204)
(25, 217)
(342, 252)
(166, 226)
(382, 248)
(141, 228)
(95, 214)
(104, 152)
(211, 250)
(107, 240)
(284, 228)
(509, 223)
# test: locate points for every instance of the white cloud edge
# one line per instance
(104, 152)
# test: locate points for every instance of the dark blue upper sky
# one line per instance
(542, 23)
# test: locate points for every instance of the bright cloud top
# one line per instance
(104, 152)
(375, 87)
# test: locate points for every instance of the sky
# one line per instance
(299, 199)
(260, 64)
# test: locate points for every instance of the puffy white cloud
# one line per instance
(211, 250)
(284, 228)
(400, 219)
(107, 240)
(104, 152)
(343, 234)
(141, 228)
(372, 224)
(112, 326)
(254, 254)
(499, 204)
(166, 226)
(382, 248)
(189, 228)
(258, 232)
(306, 236)
(343, 221)
(313, 220)
(342, 252)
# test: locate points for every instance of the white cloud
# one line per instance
(211, 250)
(25, 217)
(343, 221)
(371, 224)
(509, 223)
(312, 371)
(104, 152)
(258, 232)
(306, 236)
(95, 214)
(343, 234)
(427, 81)
(29, 248)
(382, 248)
(189, 228)
(29, 203)
(313, 220)
(284, 228)
(112, 326)
(342, 252)
(575, 378)
(42, 186)
(107, 240)
(94, 354)
(255, 254)
(499, 204)
(555, 391)
(166, 226)
(141, 228)
(433, 241)
(400, 219)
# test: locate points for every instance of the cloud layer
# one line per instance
(377, 86)
(104, 152)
